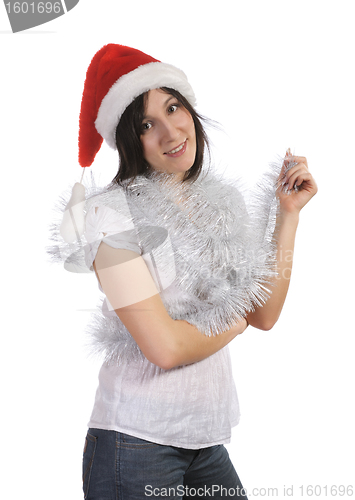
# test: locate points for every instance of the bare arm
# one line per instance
(265, 317)
(131, 291)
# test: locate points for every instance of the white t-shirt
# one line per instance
(192, 406)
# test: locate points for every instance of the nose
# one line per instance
(169, 131)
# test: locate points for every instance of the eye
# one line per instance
(172, 108)
(146, 126)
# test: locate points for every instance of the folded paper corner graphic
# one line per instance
(70, 4)
(24, 15)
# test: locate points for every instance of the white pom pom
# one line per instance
(73, 223)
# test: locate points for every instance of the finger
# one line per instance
(293, 174)
(296, 178)
(295, 168)
(300, 159)
(287, 157)
(305, 180)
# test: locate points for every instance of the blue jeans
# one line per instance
(117, 466)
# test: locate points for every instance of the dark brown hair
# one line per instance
(129, 146)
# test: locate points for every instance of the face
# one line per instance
(168, 134)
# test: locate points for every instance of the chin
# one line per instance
(184, 166)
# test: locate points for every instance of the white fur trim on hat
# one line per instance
(146, 77)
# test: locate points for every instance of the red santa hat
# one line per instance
(116, 76)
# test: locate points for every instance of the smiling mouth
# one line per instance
(177, 150)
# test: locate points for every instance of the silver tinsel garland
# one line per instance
(220, 250)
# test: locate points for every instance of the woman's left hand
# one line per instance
(298, 175)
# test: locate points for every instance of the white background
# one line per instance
(275, 74)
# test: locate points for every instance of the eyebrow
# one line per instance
(169, 99)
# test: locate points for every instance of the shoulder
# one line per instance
(108, 218)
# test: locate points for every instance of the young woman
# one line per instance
(184, 268)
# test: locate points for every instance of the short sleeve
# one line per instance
(110, 226)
